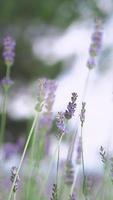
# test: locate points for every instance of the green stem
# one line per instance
(51, 162)
(24, 152)
(58, 159)
(31, 161)
(14, 196)
(85, 86)
(8, 72)
(83, 168)
(3, 117)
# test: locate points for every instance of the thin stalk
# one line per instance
(14, 196)
(51, 162)
(24, 152)
(71, 148)
(83, 168)
(74, 182)
(70, 153)
(58, 159)
(3, 117)
(85, 86)
(31, 159)
(57, 175)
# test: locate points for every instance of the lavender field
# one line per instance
(56, 100)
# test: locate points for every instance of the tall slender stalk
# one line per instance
(3, 117)
(49, 169)
(4, 107)
(58, 159)
(83, 166)
(24, 152)
(14, 196)
(31, 160)
(71, 148)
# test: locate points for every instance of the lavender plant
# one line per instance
(38, 109)
(13, 174)
(41, 126)
(8, 56)
(45, 122)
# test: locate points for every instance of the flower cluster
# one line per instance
(51, 88)
(103, 155)
(13, 174)
(49, 101)
(54, 192)
(6, 83)
(60, 123)
(95, 45)
(71, 106)
(41, 94)
(9, 50)
(82, 114)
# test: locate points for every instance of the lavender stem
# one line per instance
(24, 152)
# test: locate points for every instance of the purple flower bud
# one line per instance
(91, 63)
(51, 89)
(71, 106)
(96, 44)
(9, 50)
(41, 94)
(13, 174)
(82, 114)
(60, 123)
(6, 82)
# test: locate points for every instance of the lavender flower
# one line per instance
(41, 94)
(6, 83)
(71, 106)
(46, 119)
(103, 155)
(51, 88)
(95, 45)
(13, 174)
(82, 114)
(60, 123)
(54, 192)
(9, 50)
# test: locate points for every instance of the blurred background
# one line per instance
(52, 40)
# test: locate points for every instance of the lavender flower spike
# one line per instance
(13, 174)
(60, 123)
(71, 106)
(95, 45)
(82, 114)
(6, 82)
(9, 50)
